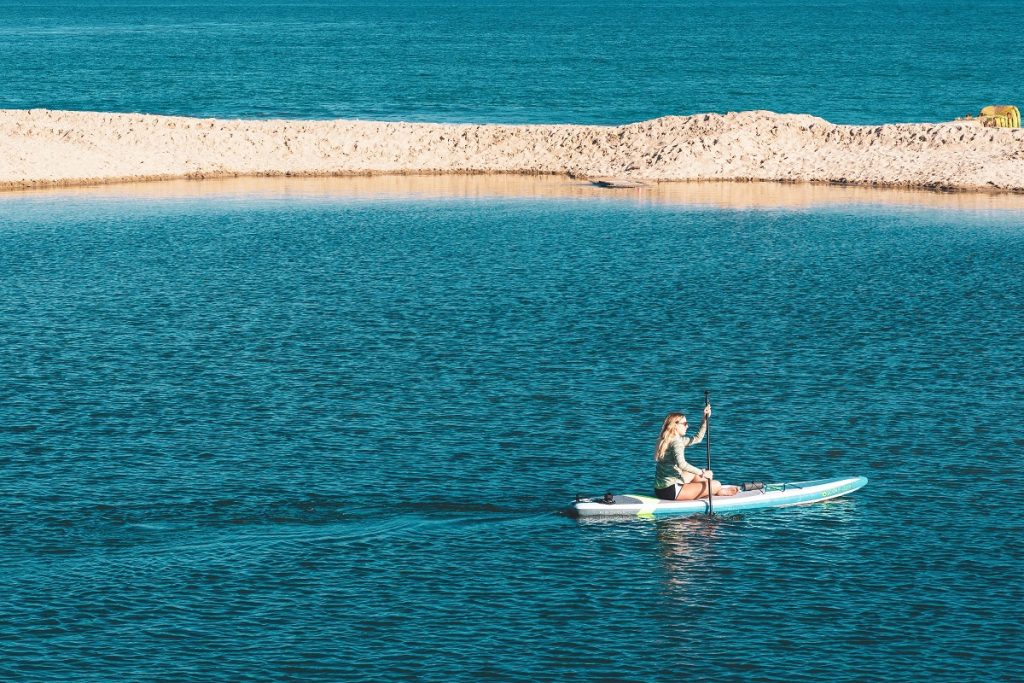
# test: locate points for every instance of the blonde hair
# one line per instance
(669, 431)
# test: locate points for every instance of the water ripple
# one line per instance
(330, 441)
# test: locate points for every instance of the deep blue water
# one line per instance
(606, 61)
(327, 439)
(320, 438)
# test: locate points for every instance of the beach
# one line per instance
(41, 148)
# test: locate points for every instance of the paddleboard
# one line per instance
(772, 496)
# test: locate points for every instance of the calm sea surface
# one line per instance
(854, 61)
(326, 438)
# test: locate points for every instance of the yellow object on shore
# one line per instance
(1000, 116)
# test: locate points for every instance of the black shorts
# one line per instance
(669, 492)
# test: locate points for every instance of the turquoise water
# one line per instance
(854, 61)
(327, 439)
(319, 438)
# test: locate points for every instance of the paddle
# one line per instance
(707, 402)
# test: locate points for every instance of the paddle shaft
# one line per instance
(707, 402)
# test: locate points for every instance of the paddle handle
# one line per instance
(707, 402)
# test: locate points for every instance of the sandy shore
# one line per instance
(41, 148)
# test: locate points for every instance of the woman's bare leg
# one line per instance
(698, 488)
(720, 490)
(725, 490)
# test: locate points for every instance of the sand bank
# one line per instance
(46, 148)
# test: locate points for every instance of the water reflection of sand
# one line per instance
(726, 195)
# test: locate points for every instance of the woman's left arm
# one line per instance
(699, 436)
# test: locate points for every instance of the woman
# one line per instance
(676, 479)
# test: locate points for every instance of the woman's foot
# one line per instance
(728, 491)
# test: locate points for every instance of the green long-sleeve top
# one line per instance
(672, 464)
